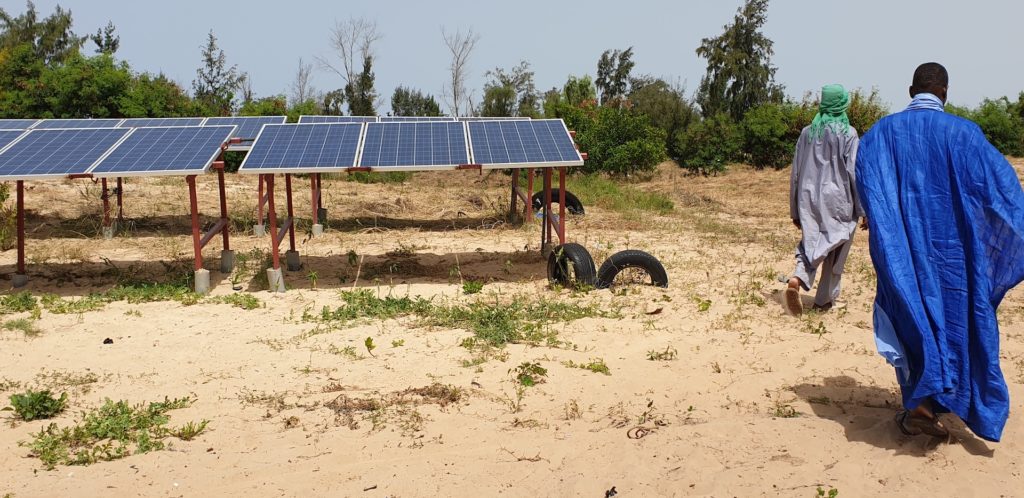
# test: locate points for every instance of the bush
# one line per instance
(35, 405)
(619, 142)
(1002, 125)
(709, 145)
(865, 110)
(767, 141)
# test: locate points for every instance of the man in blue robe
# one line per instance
(946, 218)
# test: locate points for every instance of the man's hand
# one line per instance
(796, 223)
(864, 223)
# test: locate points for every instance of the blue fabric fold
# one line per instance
(946, 218)
(926, 101)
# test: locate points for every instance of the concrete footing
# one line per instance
(276, 279)
(291, 259)
(259, 230)
(108, 232)
(227, 261)
(202, 281)
(19, 280)
(318, 230)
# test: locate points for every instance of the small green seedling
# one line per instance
(397, 343)
(529, 373)
(370, 346)
(312, 276)
(472, 287)
(35, 405)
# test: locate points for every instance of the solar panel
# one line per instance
(292, 148)
(165, 151)
(8, 136)
(337, 119)
(248, 126)
(533, 143)
(413, 146)
(57, 153)
(485, 118)
(389, 119)
(151, 122)
(59, 124)
(17, 124)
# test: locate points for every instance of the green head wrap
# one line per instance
(832, 112)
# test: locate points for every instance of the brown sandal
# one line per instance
(913, 425)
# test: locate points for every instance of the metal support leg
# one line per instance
(120, 200)
(292, 256)
(275, 277)
(108, 229)
(529, 190)
(515, 196)
(259, 229)
(546, 230)
(561, 205)
(196, 236)
(20, 277)
(314, 186)
(227, 256)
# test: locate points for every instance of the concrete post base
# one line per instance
(19, 280)
(276, 279)
(318, 230)
(108, 232)
(202, 281)
(259, 230)
(291, 259)
(227, 261)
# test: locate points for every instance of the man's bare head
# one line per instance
(932, 78)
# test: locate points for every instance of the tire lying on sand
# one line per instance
(571, 265)
(572, 203)
(631, 259)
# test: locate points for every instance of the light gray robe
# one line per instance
(823, 197)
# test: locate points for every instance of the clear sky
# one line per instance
(864, 43)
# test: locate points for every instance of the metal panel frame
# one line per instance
(64, 175)
(177, 172)
(313, 169)
(539, 165)
(420, 167)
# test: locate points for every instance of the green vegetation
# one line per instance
(18, 302)
(529, 373)
(472, 287)
(35, 405)
(595, 365)
(602, 191)
(112, 431)
(668, 354)
(373, 177)
(23, 325)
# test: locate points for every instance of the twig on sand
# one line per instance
(518, 458)
(358, 269)
(458, 268)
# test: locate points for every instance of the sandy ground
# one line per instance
(756, 403)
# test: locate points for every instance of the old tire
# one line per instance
(572, 203)
(571, 265)
(631, 259)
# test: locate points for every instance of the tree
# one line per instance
(665, 106)
(613, 71)
(352, 42)
(216, 83)
(20, 89)
(511, 93)
(408, 102)
(275, 105)
(302, 87)
(85, 87)
(618, 141)
(361, 97)
(332, 102)
(708, 146)
(739, 74)
(149, 96)
(461, 46)
(579, 90)
(51, 40)
(105, 39)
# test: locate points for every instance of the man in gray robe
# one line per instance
(823, 200)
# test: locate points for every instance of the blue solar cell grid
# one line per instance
(310, 147)
(390, 119)
(151, 122)
(414, 145)
(17, 124)
(537, 142)
(57, 153)
(481, 118)
(8, 136)
(165, 151)
(58, 124)
(248, 126)
(337, 119)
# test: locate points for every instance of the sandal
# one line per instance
(911, 425)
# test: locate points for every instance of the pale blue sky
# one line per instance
(861, 43)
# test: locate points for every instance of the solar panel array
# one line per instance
(8, 136)
(57, 153)
(308, 147)
(248, 126)
(412, 146)
(165, 151)
(388, 119)
(337, 119)
(59, 124)
(151, 122)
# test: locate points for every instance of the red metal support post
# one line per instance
(515, 195)
(546, 230)
(21, 227)
(315, 199)
(120, 201)
(291, 213)
(272, 214)
(529, 193)
(225, 238)
(561, 205)
(196, 237)
(106, 203)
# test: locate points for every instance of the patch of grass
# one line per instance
(34, 405)
(59, 380)
(831, 493)
(818, 329)
(242, 300)
(472, 287)
(596, 365)
(347, 351)
(601, 191)
(60, 306)
(397, 343)
(396, 407)
(114, 430)
(529, 373)
(668, 354)
(23, 325)
(18, 302)
(703, 305)
(372, 177)
(363, 304)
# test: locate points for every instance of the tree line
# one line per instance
(627, 123)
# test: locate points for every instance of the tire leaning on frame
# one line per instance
(572, 203)
(571, 265)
